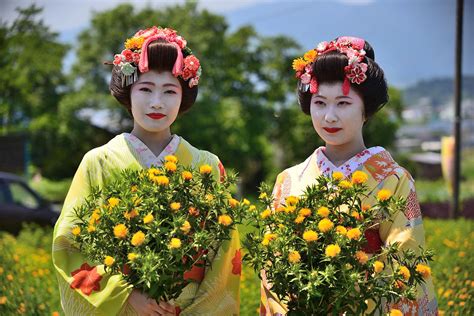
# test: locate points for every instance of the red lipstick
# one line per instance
(155, 116)
(332, 129)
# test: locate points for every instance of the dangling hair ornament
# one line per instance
(352, 47)
(134, 57)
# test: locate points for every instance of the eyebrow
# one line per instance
(153, 84)
(338, 97)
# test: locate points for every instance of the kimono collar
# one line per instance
(145, 155)
(326, 167)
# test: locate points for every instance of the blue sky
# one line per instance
(413, 39)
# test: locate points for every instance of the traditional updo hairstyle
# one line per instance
(329, 68)
(161, 57)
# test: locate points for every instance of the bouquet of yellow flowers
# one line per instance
(313, 249)
(158, 227)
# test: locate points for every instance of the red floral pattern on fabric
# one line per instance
(412, 208)
(406, 306)
(381, 165)
(197, 271)
(222, 172)
(237, 263)
(374, 243)
(177, 310)
(86, 279)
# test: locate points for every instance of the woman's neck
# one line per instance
(338, 154)
(155, 141)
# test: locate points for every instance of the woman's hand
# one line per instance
(166, 308)
(144, 305)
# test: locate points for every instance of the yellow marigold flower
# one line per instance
(378, 266)
(332, 250)
(186, 175)
(325, 225)
(3, 300)
(76, 230)
(134, 43)
(384, 195)
(175, 206)
(130, 214)
(341, 230)
(310, 236)
(138, 238)
(148, 219)
(265, 213)
(357, 215)
(9, 277)
(120, 231)
(262, 195)
(404, 272)
(337, 175)
(294, 257)
(362, 257)
(108, 261)
(132, 256)
(310, 55)
(175, 243)
(354, 233)
(161, 180)
(299, 219)
(233, 203)
(424, 270)
(252, 207)
(299, 64)
(280, 209)
(345, 184)
(209, 197)
(225, 220)
(305, 212)
(171, 158)
(205, 169)
(91, 228)
(170, 166)
(134, 188)
(113, 202)
(323, 211)
(96, 215)
(246, 202)
(186, 227)
(290, 209)
(291, 200)
(395, 312)
(267, 238)
(359, 177)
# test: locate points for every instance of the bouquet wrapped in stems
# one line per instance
(158, 227)
(314, 252)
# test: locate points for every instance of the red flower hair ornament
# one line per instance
(352, 47)
(135, 56)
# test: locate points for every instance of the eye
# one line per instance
(319, 103)
(343, 103)
(170, 92)
(145, 89)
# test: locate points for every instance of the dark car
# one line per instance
(20, 204)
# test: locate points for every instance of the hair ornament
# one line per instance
(134, 57)
(355, 70)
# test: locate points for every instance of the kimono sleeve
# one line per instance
(407, 228)
(84, 287)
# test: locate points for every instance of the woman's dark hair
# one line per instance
(161, 57)
(329, 68)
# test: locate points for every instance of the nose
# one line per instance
(330, 116)
(156, 102)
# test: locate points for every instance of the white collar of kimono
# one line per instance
(146, 156)
(347, 168)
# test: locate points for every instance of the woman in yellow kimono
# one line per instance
(155, 77)
(340, 86)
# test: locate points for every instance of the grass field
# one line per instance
(28, 284)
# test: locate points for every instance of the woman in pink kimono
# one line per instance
(341, 86)
(155, 77)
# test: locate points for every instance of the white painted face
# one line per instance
(155, 98)
(337, 118)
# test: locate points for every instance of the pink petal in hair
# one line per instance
(357, 43)
(313, 85)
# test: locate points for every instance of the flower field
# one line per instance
(28, 284)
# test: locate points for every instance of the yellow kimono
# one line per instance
(84, 287)
(404, 227)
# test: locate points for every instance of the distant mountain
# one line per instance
(437, 91)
